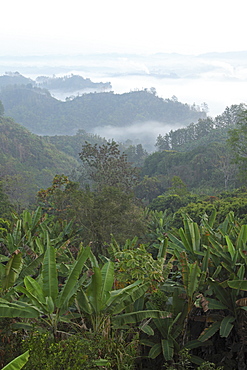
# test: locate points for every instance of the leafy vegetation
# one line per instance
(27, 163)
(120, 272)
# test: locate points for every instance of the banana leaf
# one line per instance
(107, 273)
(49, 273)
(18, 362)
(209, 332)
(226, 326)
(12, 269)
(155, 351)
(18, 309)
(135, 317)
(70, 285)
(238, 284)
(167, 349)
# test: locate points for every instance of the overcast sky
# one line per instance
(30, 27)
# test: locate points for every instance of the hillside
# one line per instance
(42, 114)
(71, 83)
(27, 162)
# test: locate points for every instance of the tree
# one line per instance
(108, 167)
(97, 214)
(178, 186)
(5, 205)
(238, 140)
(1, 109)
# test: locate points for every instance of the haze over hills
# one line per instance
(135, 113)
(219, 79)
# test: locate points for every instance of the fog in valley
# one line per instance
(217, 79)
(138, 133)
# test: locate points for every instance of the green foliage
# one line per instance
(202, 168)
(97, 214)
(18, 362)
(149, 188)
(72, 353)
(237, 141)
(204, 132)
(222, 203)
(1, 109)
(5, 204)
(42, 114)
(108, 167)
(27, 163)
(133, 262)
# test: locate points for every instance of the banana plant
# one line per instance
(105, 306)
(42, 297)
(225, 297)
(164, 333)
(30, 231)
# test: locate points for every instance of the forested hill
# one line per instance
(38, 111)
(28, 162)
(204, 132)
(70, 83)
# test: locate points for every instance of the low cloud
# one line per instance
(144, 133)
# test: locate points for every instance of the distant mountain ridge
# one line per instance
(67, 83)
(42, 114)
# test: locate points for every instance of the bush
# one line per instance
(76, 353)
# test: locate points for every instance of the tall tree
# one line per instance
(108, 166)
(238, 142)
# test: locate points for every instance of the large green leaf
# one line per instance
(241, 272)
(70, 285)
(49, 273)
(12, 269)
(231, 248)
(34, 292)
(18, 309)
(107, 273)
(226, 326)
(127, 296)
(185, 269)
(18, 362)
(175, 243)
(136, 317)
(155, 351)
(210, 331)
(34, 288)
(242, 237)
(145, 328)
(186, 242)
(94, 291)
(167, 349)
(163, 249)
(238, 284)
(31, 268)
(83, 302)
(213, 304)
(194, 273)
(222, 295)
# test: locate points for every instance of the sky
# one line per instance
(72, 27)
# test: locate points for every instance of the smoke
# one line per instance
(144, 133)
